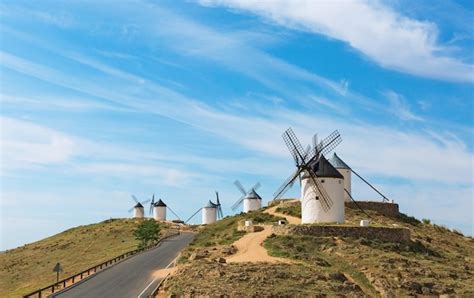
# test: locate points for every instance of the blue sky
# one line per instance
(103, 100)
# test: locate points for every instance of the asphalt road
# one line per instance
(130, 277)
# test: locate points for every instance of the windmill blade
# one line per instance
(219, 207)
(315, 143)
(294, 146)
(144, 202)
(237, 204)
(152, 203)
(307, 153)
(355, 202)
(240, 187)
(286, 185)
(384, 198)
(192, 215)
(135, 199)
(325, 200)
(325, 146)
(177, 216)
(221, 214)
(256, 186)
(329, 143)
(131, 209)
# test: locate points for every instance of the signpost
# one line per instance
(58, 268)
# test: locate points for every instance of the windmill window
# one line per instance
(322, 180)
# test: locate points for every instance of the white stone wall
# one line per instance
(311, 209)
(209, 215)
(252, 204)
(159, 212)
(138, 212)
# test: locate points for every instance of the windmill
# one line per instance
(321, 184)
(251, 199)
(138, 209)
(346, 171)
(158, 209)
(210, 213)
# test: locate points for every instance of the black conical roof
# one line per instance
(160, 203)
(323, 169)
(253, 195)
(210, 205)
(338, 163)
(138, 205)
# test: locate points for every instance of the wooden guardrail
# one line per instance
(69, 281)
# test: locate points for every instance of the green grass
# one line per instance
(30, 267)
(292, 210)
(224, 232)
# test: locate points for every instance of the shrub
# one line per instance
(426, 221)
(147, 233)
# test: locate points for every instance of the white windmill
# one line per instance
(345, 171)
(158, 209)
(252, 201)
(138, 209)
(322, 185)
(211, 212)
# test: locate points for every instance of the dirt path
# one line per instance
(250, 248)
(291, 219)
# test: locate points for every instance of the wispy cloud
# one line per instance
(377, 31)
(399, 107)
(388, 145)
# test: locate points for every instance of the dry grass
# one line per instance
(30, 267)
(437, 261)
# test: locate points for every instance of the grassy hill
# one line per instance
(437, 261)
(29, 267)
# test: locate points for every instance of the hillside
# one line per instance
(436, 261)
(29, 267)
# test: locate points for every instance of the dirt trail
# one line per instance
(291, 219)
(250, 248)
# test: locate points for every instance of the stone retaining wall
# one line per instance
(379, 233)
(387, 209)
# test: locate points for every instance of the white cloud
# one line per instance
(399, 107)
(392, 40)
(26, 144)
(392, 153)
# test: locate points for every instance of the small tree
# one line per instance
(147, 232)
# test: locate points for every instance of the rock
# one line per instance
(196, 256)
(425, 291)
(220, 260)
(413, 287)
(338, 276)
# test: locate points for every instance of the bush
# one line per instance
(426, 221)
(147, 233)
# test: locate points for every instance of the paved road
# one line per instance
(130, 277)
